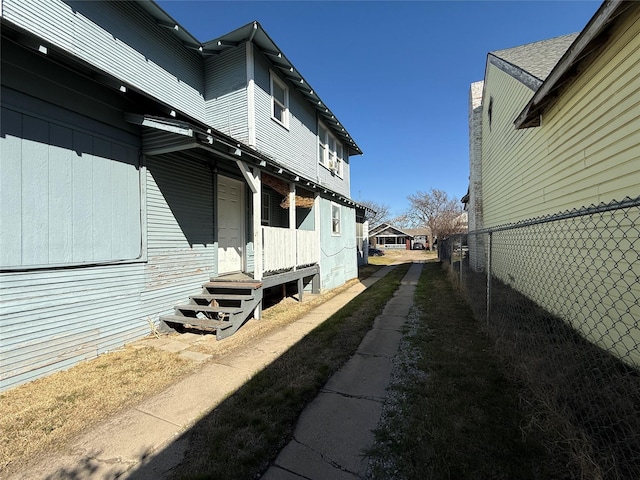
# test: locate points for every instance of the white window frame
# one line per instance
(285, 107)
(336, 227)
(330, 149)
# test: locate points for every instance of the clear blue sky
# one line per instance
(395, 73)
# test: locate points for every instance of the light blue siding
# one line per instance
(338, 257)
(71, 188)
(226, 93)
(121, 40)
(295, 146)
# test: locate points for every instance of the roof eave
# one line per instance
(584, 45)
(255, 33)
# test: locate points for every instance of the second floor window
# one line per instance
(330, 151)
(279, 101)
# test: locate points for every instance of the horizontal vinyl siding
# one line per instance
(53, 319)
(121, 40)
(226, 93)
(295, 147)
(586, 151)
(181, 249)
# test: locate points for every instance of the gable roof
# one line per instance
(530, 64)
(583, 51)
(384, 227)
(253, 32)
(537, 58)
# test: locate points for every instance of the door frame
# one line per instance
(241, 220)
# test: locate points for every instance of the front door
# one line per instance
(230, 225)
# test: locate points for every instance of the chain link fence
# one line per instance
(560, 296)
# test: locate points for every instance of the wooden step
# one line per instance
(197, 322)
(206, 308)
(222, 296)
(234, 285)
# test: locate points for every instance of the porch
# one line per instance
(289, 256)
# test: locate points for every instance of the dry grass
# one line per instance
(49, 412)
(457, 414)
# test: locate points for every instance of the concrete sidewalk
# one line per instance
(146, 442)
(335, 429)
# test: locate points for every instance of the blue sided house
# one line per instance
(146, 176)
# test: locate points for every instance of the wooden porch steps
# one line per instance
(223, 306)
(197, 322)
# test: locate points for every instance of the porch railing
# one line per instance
(284, 248)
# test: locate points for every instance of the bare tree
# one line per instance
(380, 214)
(434, 209)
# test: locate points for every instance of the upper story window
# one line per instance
(279, 101)
(335, 219)
(330, 151)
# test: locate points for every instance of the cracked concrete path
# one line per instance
(145, 442)
(334, 431)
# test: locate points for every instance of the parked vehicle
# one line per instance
(418, 246)
(375, 252)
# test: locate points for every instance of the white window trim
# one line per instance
(339, 160)
(337, 233)
(275, 79)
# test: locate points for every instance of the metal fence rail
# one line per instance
(560, 295)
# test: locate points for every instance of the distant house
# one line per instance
(420, 235)
(555, 126)
(387, 236)
(150, 177)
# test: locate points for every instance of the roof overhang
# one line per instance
(163, 135)
(581, 52)
(253, 32)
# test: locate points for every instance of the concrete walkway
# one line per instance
(337, 427)
(147, 441)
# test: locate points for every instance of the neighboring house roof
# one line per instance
(537, 58)
(583, 50)
(415, 232)
(253, 32)
(387, 230)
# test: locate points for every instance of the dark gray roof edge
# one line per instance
(607, 12)
(516, 72)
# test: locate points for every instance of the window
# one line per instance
(330, 151)
(335, 219)
(279, 101)
(266, 208)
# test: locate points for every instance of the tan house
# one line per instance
(555, 126)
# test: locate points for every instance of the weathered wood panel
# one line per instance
(71, 188)
(180, 224)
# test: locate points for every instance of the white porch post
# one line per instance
(253, 179)
(292, 221)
